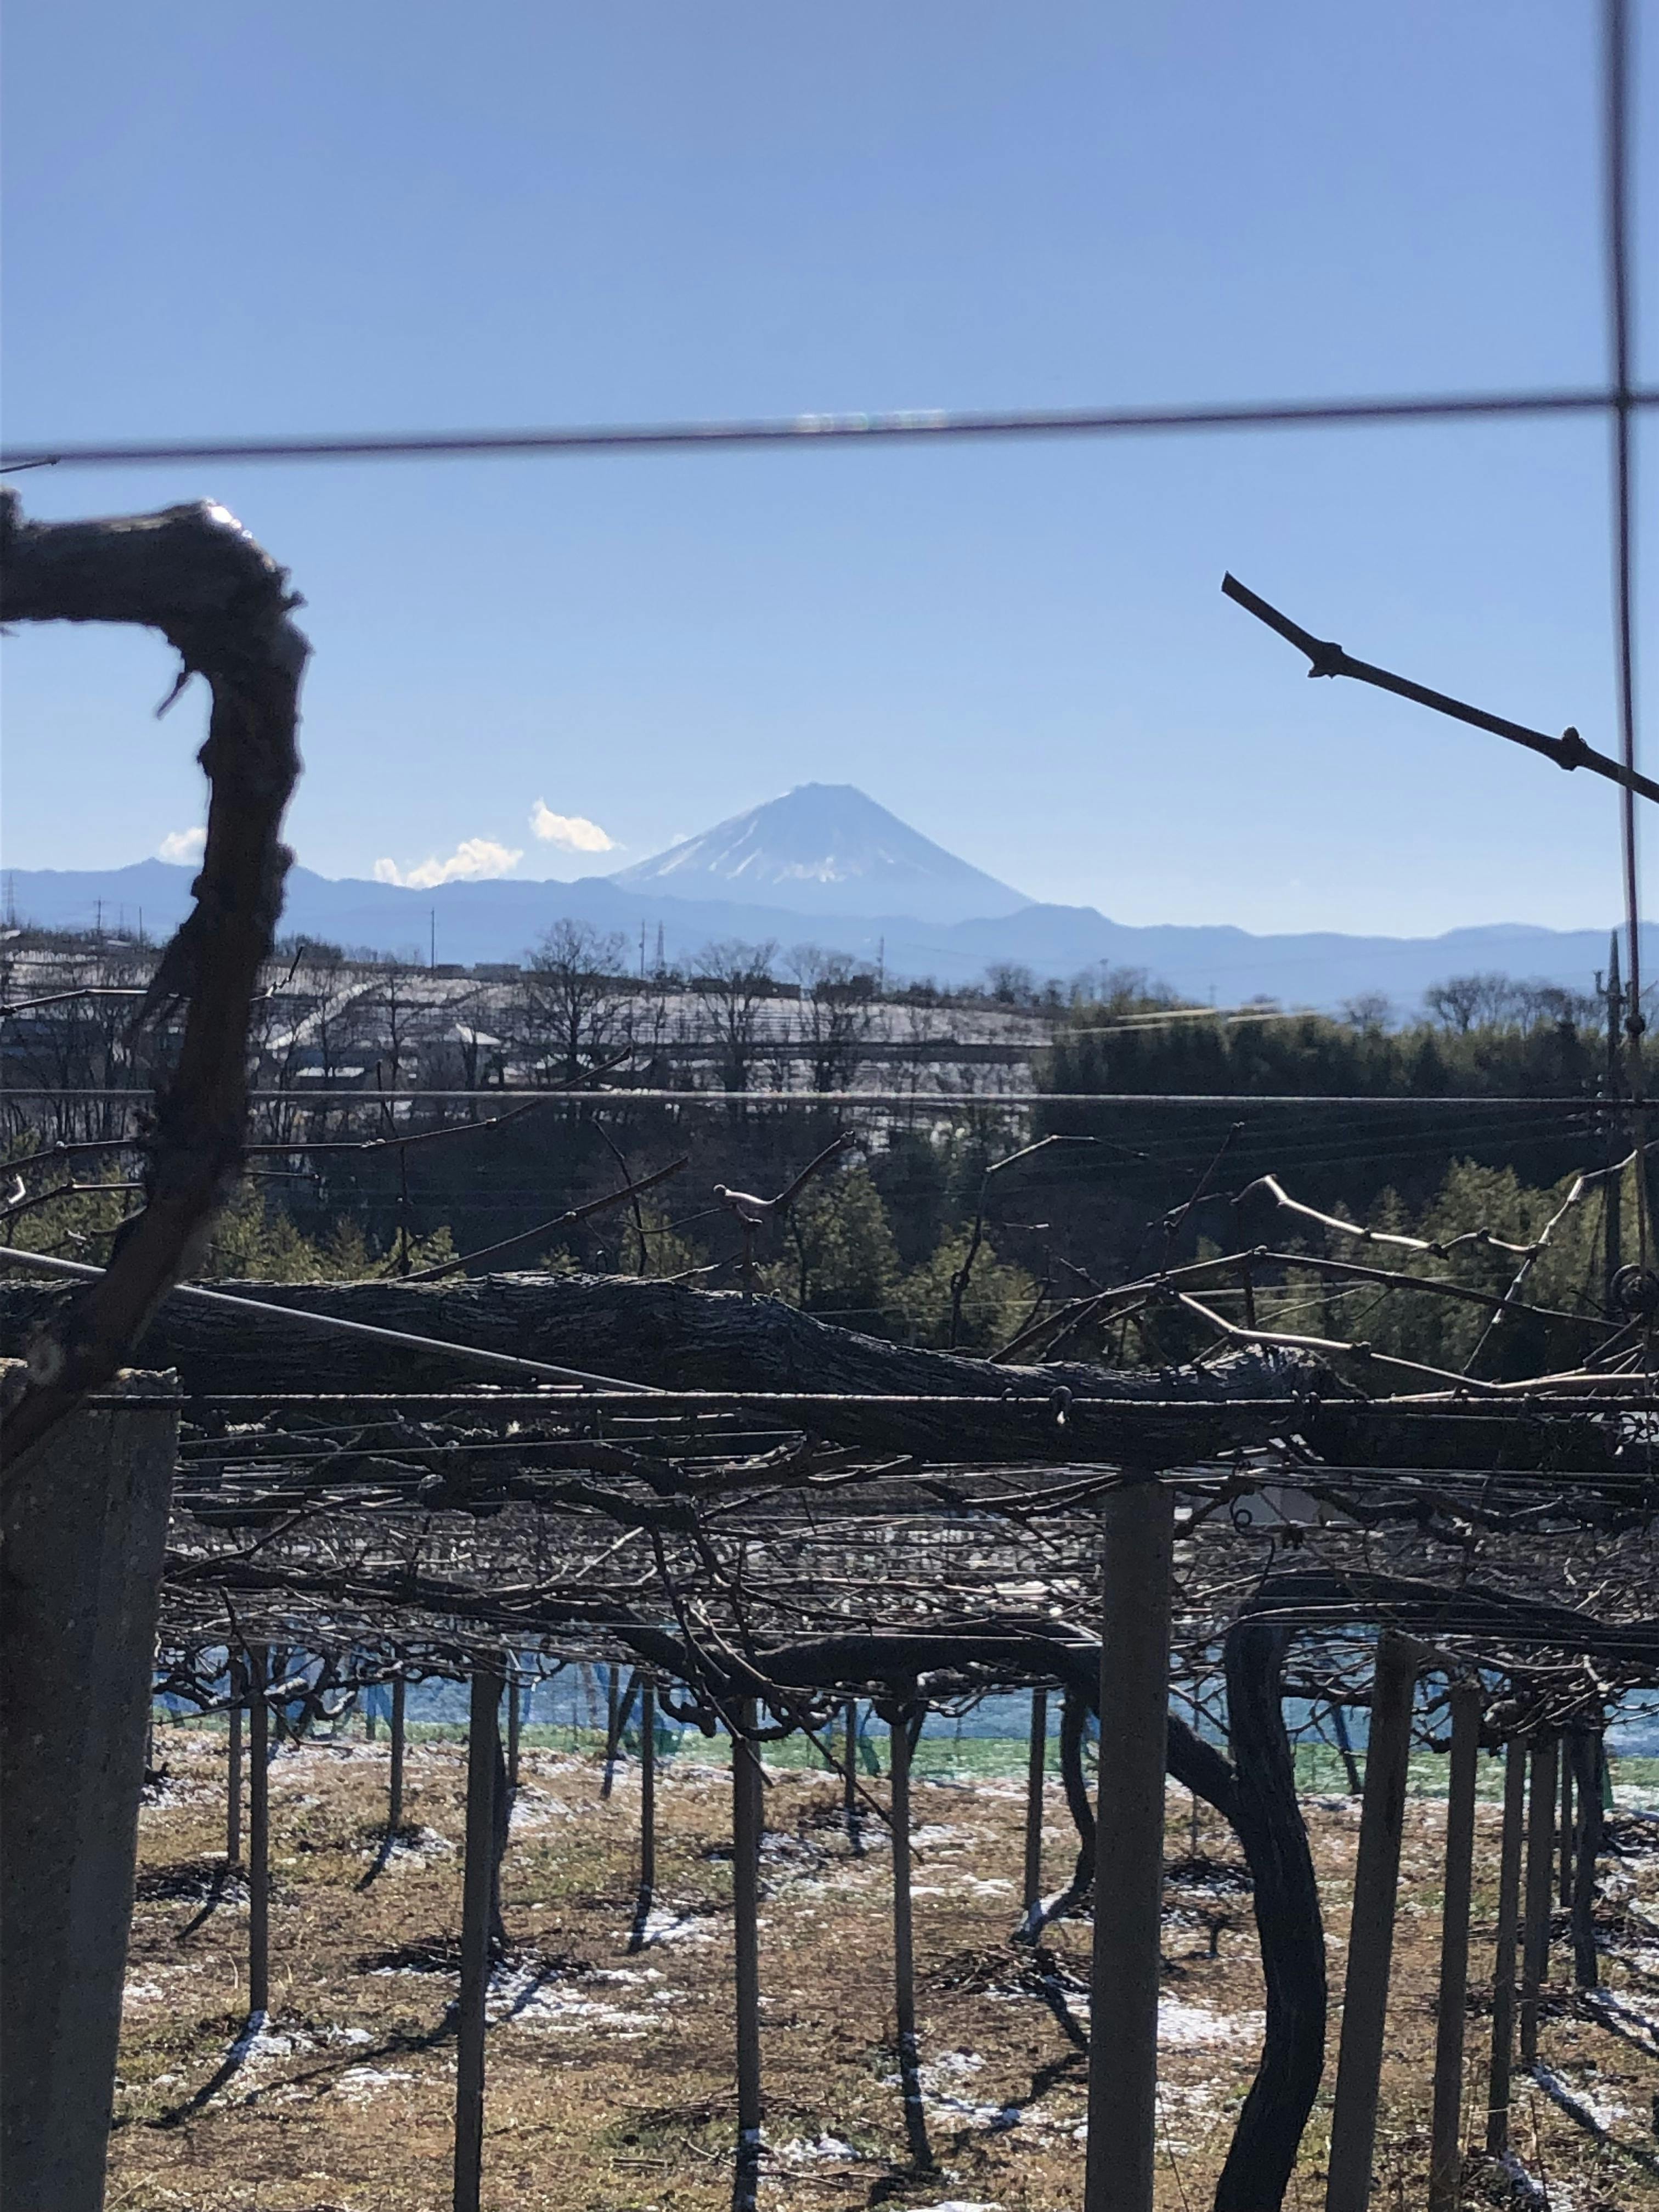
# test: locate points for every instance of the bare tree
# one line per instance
(1369, 1011)
(1467, 1002)
(733, 983)
(836, 1014)
(571, 1005)
(1490, 1000)
(1538, 1003)
(1011, 983)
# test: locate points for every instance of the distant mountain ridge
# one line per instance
(500, 921)
(823, 849)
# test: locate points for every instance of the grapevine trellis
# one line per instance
(764, 1517)
(749, 1550)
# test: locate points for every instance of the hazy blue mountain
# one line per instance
(824, 849)
(500, 921)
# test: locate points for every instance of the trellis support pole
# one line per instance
(238, 1690)
(478, 1883)
(1370, 1936)
(746, 1820)
(1036, 1768)
(394, 1810)
(1502, 1979)
(898, 1718)
(258, 1834)
(1137, 1553)
(1446, 2147)
(83, 1518)
(1539, 1887)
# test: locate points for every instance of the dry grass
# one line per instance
(609, 2075)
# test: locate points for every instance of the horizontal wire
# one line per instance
(902, 423)
(1447, 1102)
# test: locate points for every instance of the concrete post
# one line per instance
(1586, 1755)
(612, 1728)
(1036, 1770)
(1370, 1934)
(1540, 1888)
(1568, 1842)
(483, 1753)
(1446, 2145)
(394, 1813)
(83, 1518)
(1502, 1979)
(747, 1814)
(1137, 1552)
(647, 1810)
(258, 1834)
(904, 1954)
(237, 1690)
(849, 1783)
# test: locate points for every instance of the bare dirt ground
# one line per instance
(610, 2079)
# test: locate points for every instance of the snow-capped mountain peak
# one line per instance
(825, 848)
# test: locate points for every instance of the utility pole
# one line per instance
(431, 958)
(1612, 1221)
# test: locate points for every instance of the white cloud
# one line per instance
(473, 861)
(575, 831)
(182, 846)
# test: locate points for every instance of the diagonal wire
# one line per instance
(907, 425)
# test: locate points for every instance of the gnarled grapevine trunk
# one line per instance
(1264, 1813)
(194, 574)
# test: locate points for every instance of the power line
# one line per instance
(302, 1099)
(909, 424)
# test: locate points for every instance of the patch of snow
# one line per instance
(665, 1925)
(422, 1846)
(360, 2083)
(802, 2153)
(525, 1997)
(1626, 2014)
(564, 2014)
(1186, 2026)
(1567, 2094)
(936, 2076)
(1528, 2190)
(258, 2039)
(535, 1809)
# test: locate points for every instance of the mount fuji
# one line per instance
(824, 849)
(828, 863)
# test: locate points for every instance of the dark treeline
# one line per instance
(1349, 1155)
(915, 1230)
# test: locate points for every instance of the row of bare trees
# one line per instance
(576, 1005)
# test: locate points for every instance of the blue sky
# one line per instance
(223, 219)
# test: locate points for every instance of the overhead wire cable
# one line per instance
(910, 425)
